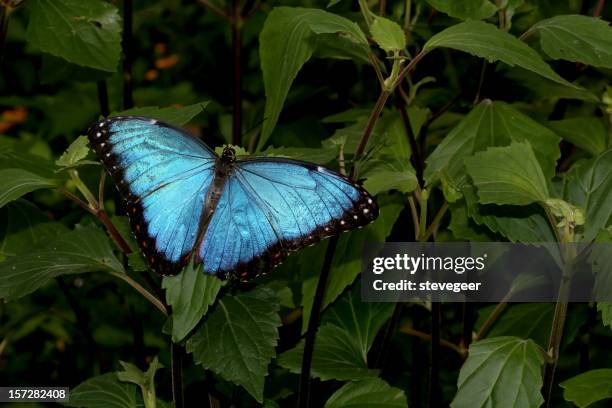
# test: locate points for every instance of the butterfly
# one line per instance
(239, 217)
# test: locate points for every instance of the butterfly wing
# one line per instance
(163, 174)
(271, 206)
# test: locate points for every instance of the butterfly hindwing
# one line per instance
(164, 174)
(271, 206)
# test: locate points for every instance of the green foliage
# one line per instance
(343, 340)
(589, 387)
(238, 338)
(18, 182)
(190, 293)
(508, 175)
(388, 34)
(487, 125)
(287, 41)
(85, 249)
(465, 10)
(486, 41)
(75, 154)
(589, 186)
(103, 391)
(501, 372)
(171, 114)
(145, 380)
(367, 393)
(587, 133)
(576, 38)
(84, 32)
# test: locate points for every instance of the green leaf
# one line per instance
(103, 391)
(238, 338)
(84, 32)
(464, 228)
(370, 393)
(85, 249)
(534, 86)
(508, 175)
(76, 152)
(318, 155)
(606, 313)
(589, 185)
(15, 183)
(518, 224)
(389, 168)
(587, 388)
(333, 46)
(23, 226)
(491, 123)
(190, 293)
(465, 9)
(12, 157)
(587, 133)
(394, 175)
(55, 70)
(388, 34)
(287, 41)
(145, 380)
(346, 264)
(500, 372)
(487, 41)
(576, 38)
(524, 320)
(171, 114)
(343, 340)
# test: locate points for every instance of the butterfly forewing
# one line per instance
(163, 173)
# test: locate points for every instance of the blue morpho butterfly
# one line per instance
(239, 217)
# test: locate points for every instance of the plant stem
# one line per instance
(237, 46)
(378, 107)
(376, 65)
(415, 157)
(103, 97)
(391, 327)
(558, 323)
(148, 295)
(216, 10)
(434, 369)
(423, 198)
(4, 22)
(495, 313)
(113, 232)
(313, 324)
(599, 8)
(483, 72)
(382, 5)
(416, 333)
(415, 216)
(177, 352)
(128, 98)
(407, 10)
(435, 224)
(365, 12)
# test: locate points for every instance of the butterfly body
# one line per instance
(238, 217)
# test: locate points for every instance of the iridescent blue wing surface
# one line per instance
(272, 206)
(163, 174)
